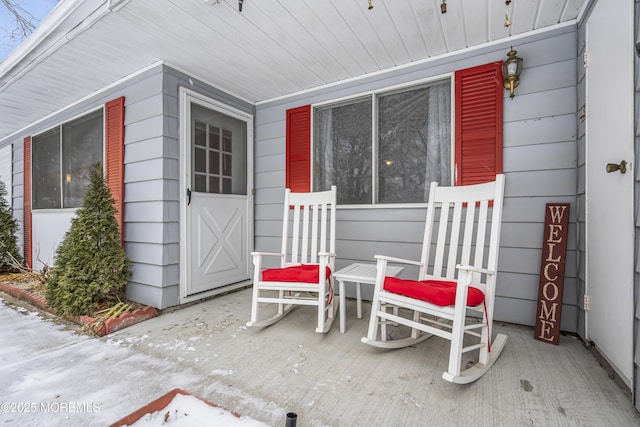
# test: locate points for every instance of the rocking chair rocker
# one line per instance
(458, 279)
(306, 262)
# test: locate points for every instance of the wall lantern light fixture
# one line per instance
(511, 69)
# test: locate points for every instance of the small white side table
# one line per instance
(358, 274)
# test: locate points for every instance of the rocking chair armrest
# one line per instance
(473, 269)
(397, 260)
(327, 254)
(261, 254)
(326, 258)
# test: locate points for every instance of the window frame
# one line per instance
(59, 125)
(373, 95)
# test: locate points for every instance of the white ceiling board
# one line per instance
(550, 12)
(408, 28)
(355, 15)
(496, 18)
(428, 16)
(477, 31)
(306, 48)
(271, 49)
(453, 26)
(321, 23)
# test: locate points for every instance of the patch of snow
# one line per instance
(48, 367)
(185, 410)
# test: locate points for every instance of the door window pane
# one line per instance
(200, 134)
(226, 165)
(227, 140)
(214, 138)
(200, 160)
(226, 186)
(214, 182)
(214, 162)
(200, 183)
(224, 152)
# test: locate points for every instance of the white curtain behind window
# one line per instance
(342, 150)
(414, 142)
(413, 145)
(438, 167)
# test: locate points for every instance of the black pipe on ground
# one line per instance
(292, 419)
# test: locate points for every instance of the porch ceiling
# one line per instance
(270, 49)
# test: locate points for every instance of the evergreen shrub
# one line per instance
(90, 266)
(8, 229)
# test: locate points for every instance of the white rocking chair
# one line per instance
(306, 262)
(458, 279)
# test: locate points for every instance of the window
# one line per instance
(47, 158)
(62, 159)
(212, 157)
(218, 152)
(412, 145)
(342, 150)
(388, 146)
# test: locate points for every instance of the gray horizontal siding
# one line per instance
(152, 213)
(154, 254)
(581, 176)
(523, 311)
(540, 158)
(144, 129)
(153, 187)
(540, 130)
(151, 175)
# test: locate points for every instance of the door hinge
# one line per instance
(586, 303)
(585, 60)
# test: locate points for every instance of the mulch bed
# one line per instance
(28, 288)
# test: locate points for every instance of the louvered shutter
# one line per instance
(114, 147)
(478, 148)
(298, 150)
(27, 203)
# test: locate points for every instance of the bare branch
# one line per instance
(42, 276)
(25, 22)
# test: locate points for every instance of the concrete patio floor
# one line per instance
(327, 380)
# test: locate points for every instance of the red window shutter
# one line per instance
(27, 203)
(299, 149)
(478, 148)
(114, 146)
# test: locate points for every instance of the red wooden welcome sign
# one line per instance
(554, 254)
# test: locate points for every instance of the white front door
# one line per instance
(216, 238)
(609, 195)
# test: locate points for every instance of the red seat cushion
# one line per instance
(306, 273)
(438, 292)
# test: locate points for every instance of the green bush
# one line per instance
(8, 227)
(91, 266)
